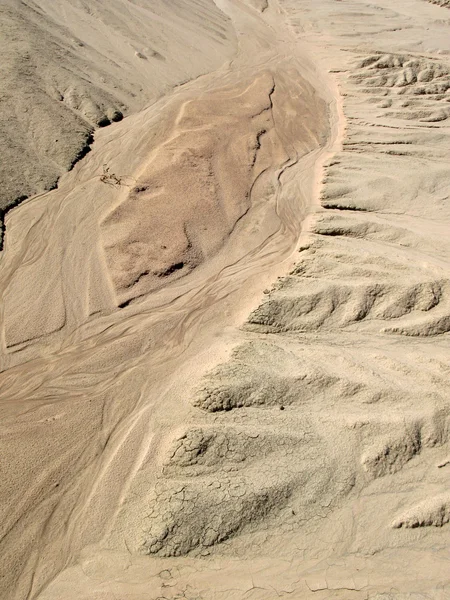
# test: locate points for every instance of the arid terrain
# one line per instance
(225, 300)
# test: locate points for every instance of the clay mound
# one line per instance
(432, 512)
(406, 87)
(180, 518)
(235, 386)
(232, 480)
(267, 376)
(367, 229)
(391, 189)
(212, 487)
(414, 75)
(201, 450)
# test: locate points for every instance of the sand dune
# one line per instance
(226, 131)
(225, 335)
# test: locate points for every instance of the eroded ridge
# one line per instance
(445, 3)
(431, 512)
(230, 478)
(375, 295)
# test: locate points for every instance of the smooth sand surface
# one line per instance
(225, 351)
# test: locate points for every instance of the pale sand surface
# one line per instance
(225, 359)
(69, 66)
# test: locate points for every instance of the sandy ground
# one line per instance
(69, 67)
(225, 335)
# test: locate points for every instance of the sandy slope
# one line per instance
(153, 446)
(70, 67)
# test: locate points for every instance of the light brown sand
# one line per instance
(171, 431)
(69, 67)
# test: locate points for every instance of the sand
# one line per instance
(71, 67)
(225, 335)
